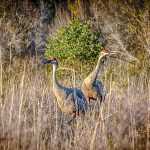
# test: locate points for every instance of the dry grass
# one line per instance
(30, 118)
(29, 115)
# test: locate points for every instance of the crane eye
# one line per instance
(105, 51)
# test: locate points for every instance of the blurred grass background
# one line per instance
(29, 116)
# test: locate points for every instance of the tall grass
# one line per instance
(29, 115)
(31, 119)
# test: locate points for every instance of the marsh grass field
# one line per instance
(29, 115)
(31, 119)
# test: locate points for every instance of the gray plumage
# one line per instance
(69, 100)
(92, 88)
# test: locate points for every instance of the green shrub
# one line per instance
(74, 42)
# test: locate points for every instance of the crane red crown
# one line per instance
(105, 51)
(52, 58)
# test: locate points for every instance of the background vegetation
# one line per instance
(29, 116)
(74, 43)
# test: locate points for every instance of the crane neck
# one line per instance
(94, 74)
(55, 67)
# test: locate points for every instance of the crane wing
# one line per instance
(101, 89)
(68, 91)
(79, 104)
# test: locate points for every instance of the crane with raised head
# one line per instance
(69, 100)
(92, 88)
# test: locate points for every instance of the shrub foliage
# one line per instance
(74, 42)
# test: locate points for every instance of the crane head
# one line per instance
(106, 52)
(51, 61)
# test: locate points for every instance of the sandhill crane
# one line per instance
(70, 100)
(91, 87)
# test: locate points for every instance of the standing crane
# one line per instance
(69, 100)
(91, 87)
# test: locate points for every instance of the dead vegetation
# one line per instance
(31, 119)
(29, 116)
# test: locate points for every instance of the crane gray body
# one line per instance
(92, 88)
(69, 100)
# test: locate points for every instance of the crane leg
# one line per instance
(74, 116)
(89, 101)
(89, 105)
(100, 99)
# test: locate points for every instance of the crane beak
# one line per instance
(46, 62)
(113, 53)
